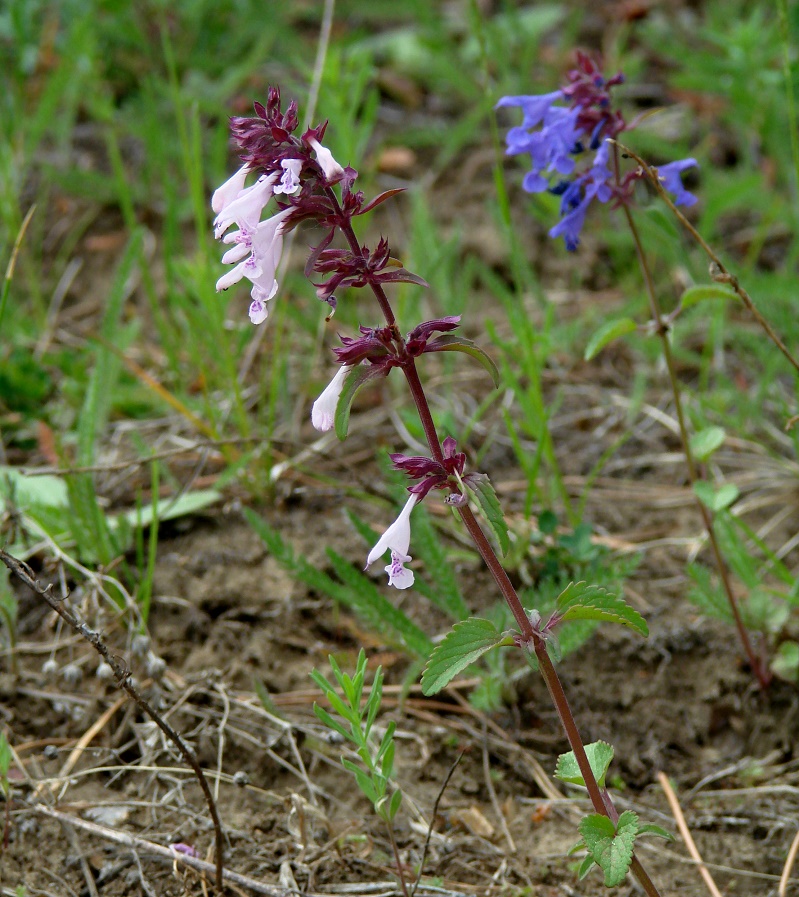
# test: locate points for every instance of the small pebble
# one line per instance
(50, 752)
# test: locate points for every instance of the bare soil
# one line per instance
(226, 614)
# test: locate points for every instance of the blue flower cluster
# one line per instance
(560, 140)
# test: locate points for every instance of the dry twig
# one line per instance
(671, 797)
(24, 573)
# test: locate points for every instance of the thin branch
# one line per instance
(433, 819)
(24, 573)
(718, 271)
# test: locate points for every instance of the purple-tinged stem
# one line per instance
(602, 804)
(661, 328)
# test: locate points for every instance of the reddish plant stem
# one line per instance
(601, 801)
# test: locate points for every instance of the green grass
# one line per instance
(114, 125)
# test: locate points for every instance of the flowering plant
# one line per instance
(569, 149)
(305, 182)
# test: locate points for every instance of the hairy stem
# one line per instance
(533, 641)
(662, 330)
(23, 572)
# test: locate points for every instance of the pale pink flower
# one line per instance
(323, 413)
(332, 170)
(290, 181)
(245, 210)
(225, 194)
(397, 538)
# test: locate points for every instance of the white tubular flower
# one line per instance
(290, 181)
(397, 538)
(264, 244)
(225, 194)
(323, 413)
(245, 210)
(332, 170)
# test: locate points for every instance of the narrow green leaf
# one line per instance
(703, 293)
(266, 699)
(716, 499)
(580, 601)
(360, 375)
(585, 867)
(480, 486)
(355, 591)
(448, 342)
(5, 755)
(611, 848)
(599, 754)
(608, 332)
(327, 720)
(464, 644)
(364, 782)
(706, 441)
(183, 506)
(651, 829)
(394, 805)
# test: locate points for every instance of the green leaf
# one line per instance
(651, 829)
(266, 699)
(580, 601)
(448, 342)
(586, 866)
(480, 486)
(785, 662)
(393, 807)
(355, 591)
(364, 782)
(466, 642)
(5, 756)
(608, 332)
(327, 720)
(599, 754)
(611, 847)
(182, 506)
(705, 292)
(716, 499)
(706, 441)
(360, 375)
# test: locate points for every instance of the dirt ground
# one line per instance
(226, 614)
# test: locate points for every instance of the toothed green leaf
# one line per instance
(599, 754)
(610, 847)
(580, 601)
(463, 645)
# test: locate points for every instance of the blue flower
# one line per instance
(561, 130)
(670, 175)
(533, 107)
(573, 210)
